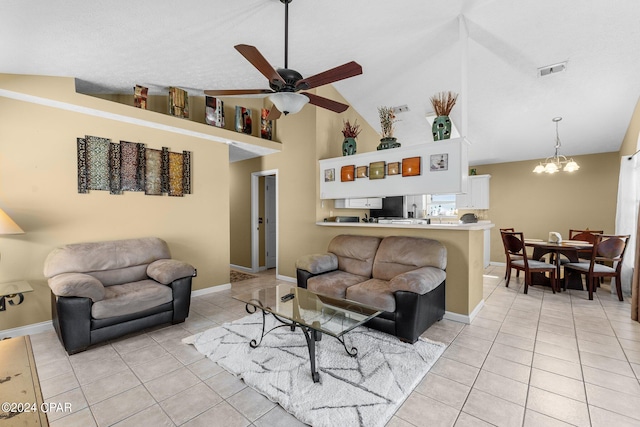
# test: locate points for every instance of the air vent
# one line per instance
(401, 109)
(552, 69)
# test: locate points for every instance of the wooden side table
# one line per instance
(11, 290)
(20, 394)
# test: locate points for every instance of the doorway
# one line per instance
(264, 220)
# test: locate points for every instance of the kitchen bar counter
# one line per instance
(465, 260)
(432, 226)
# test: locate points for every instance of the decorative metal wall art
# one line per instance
(129, 166)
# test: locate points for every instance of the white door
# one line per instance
(270, 220)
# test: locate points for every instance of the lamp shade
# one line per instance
(7, 225)
(288, 102)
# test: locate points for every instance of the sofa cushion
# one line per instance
(375, 293)
(119, 276)
(334, 283)
(318, 263)
(355, 253)
(420, 281)
(110, 255)
(166, 271)
(77, 285)
(399, 254)
(131, 298)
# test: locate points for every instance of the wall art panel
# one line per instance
(176, 161)
(98, 162)
(153, 172)
(83, 184)
(115, 183)
(132, 165)
(186, 172)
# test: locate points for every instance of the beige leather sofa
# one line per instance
(103, 290)
(402, 276)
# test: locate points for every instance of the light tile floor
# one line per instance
(526, 360)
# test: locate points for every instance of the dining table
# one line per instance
(565, 248)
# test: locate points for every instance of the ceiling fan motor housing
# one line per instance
(290, 77)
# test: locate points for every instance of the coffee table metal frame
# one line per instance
(323, 309)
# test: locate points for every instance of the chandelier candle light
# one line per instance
(557, 161)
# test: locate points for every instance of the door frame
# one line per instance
(255, 225)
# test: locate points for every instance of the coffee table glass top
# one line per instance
(13, 288)
(328, 315)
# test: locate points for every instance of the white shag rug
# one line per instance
(365, 390)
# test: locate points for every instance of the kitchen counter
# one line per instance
(480, 225)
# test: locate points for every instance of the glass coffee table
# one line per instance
(313, 314)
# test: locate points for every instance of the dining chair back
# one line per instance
(586, 236)
(507, 271)
(607, 249)
(516, 251)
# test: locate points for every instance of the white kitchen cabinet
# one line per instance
(477, 195)
(360, 203)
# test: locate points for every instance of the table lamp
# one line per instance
(7, 225)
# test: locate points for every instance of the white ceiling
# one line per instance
(409, 50)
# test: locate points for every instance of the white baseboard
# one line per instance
(241, 268)
(464, 318)
(287, 278)
(211, 290)
(32, 329)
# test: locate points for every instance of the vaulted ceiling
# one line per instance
(489, 51)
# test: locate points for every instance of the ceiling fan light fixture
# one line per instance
(288, 102)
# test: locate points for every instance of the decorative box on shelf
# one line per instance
(427, 168)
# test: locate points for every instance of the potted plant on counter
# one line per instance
(350, 133)
(387, 120)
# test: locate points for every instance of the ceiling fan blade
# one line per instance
(274, 113)
(327, 103)
(234, 92)
(253, 55)
(341, 72)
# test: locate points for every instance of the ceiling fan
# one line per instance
(286, 82)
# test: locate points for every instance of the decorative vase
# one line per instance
(349, 146)
(441, 128)
(388, 142)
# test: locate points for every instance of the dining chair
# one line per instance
(509, 259)
(586, 236)
(514, 245)
(607, 248)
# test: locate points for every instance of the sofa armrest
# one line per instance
(318, 263)
(166, 271)
(77, 285)
(419, 281)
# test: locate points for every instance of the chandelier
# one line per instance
(557, 161)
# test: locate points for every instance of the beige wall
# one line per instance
(539, 203)
(38, 189)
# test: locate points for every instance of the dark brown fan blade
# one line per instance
(327, 103)
(233, 92)
(254, 56)
(274, 113)
(342, 72)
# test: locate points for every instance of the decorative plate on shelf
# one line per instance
(393, 168)
(376, 170)
(347, 173)
(411, 166)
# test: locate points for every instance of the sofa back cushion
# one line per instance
(399, 254)
(112, 262)
(355, 253)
